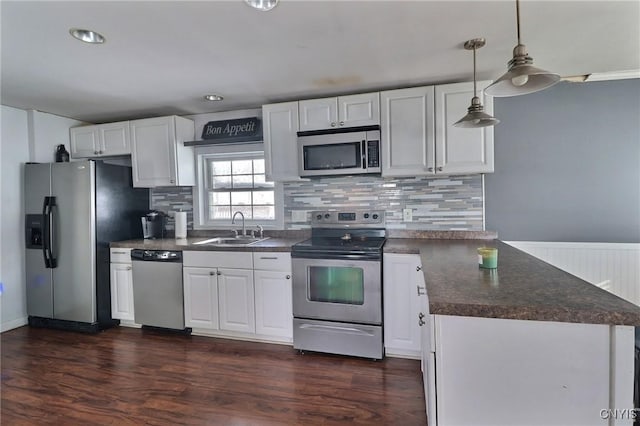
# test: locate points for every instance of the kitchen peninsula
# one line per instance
(525, 343)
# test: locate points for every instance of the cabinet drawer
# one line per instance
(218, 259)
(272, 261)
(120, 255)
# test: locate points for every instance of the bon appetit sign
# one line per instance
(239, 129)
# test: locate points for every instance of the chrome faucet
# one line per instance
(244, 230)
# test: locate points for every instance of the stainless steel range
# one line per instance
(337, 284)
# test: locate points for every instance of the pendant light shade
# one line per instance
(476, 117)
(522, 77)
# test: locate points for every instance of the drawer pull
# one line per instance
(118, 252)
(268, 258)
(288, 277)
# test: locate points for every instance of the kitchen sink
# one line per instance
(239, 241)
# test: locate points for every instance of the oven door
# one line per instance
(338, 290)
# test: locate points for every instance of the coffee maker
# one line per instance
(153, 224)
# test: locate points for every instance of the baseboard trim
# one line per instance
(10, 325)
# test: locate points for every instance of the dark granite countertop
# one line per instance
(522, 287)
(270, 244)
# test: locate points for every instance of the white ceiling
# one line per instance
(161, 57)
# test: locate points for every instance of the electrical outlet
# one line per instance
(298, 215)
(407, 215)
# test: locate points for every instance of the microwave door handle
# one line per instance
(364, 154)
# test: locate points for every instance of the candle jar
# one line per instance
(488, 257)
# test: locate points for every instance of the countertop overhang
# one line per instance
(522, 287)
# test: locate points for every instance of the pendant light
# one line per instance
(476, 117)
(522, 77)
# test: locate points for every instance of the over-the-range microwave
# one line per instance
(349, 152)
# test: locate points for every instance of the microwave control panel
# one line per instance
(373, 154)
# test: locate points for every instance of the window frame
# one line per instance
(201, 190)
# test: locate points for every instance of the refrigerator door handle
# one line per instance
(47, 212)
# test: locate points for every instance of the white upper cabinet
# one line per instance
(418, 136)
(462, 150)
(158, 154)
(100, 140)
(343, 111)
(407, 132)
(280, 128)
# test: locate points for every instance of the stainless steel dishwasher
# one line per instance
(158, 299)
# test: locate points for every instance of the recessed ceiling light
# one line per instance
(264, 5)
(213, 98)
(87, 36)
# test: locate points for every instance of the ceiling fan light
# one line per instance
(522, 80)
(264, 5)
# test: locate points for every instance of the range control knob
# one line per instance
(366, 215)
(375, 217)
(319, 217)
(327, 215)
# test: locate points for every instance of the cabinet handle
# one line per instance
(439, 169)
(333, 124)
(268, 257)
(118, 252)
(421, 323)
(430, 169)
(218, 273)
(420, 290)
(128, 268)
(211, 273)
(418, 268)
(95, 152)
(420, 315)
(288, 277)
(171, 181)
(342, 123)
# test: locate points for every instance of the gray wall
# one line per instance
(567, 164)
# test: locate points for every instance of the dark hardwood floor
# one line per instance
(130, 376)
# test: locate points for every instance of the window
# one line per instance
(239, 185)
(235, 181)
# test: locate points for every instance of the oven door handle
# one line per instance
(344, 330)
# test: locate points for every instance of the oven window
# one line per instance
(332, 156)
(336, 284)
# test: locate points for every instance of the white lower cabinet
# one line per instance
(200, 297)
(236, 300)
(225, 296)
(121, 280)
(274, 310)
(404, 300)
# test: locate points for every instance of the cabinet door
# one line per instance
(462, 150)
(359, 110)
(114, 139)
(200, 297)
(85, 141)
(121, 291)
(152, 152)
(317, 114)
(407, 132)
(280, 133)
(236, 300)
(274, 315)
(404, 300)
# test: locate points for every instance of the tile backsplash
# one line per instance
(437, 203)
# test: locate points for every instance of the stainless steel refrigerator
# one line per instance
(72, 212)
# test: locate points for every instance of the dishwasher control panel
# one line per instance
(156, 255)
